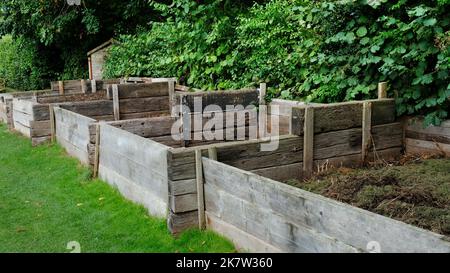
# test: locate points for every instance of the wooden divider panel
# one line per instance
(267, 215)
(136, 166)
(72, 132)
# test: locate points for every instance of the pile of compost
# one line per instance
(414, 190)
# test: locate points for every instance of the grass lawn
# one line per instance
(48, 200)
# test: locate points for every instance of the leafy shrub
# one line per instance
(323, 51)
(17, 64)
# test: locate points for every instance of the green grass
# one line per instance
(48, 200)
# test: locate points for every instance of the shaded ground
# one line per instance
(47, 200)
(414, 190)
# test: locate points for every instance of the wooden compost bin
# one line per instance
(76, 123)
(247, 205)
(31, 117)
(262, 215)
(6, 106)
(140, 156)
(81, 86)
(427, 140)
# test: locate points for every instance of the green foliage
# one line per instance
(18, 65)
(404, 43)
(194, 43)
(57, 36)
(324, 51)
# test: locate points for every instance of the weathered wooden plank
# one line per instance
(40, 128)
(158, 126)
(178, 222)
(72, 132)
(244, 242)
(23, 118)
(200, 205)
(308, 142)
(158, 104)
(270, 227)
(23, 129)
(127, 91)
(71, 98)
(96, 149)
(133, 191)
(347, 142)
(247, 155)
(35, 141)
(274, 204)
(282, 173)
(23, 105)
(220, 98)
(416, 146)
(140, 115)
(341, 116)
(143, 151)
(90, 108)
(183, 203)
(181, 187)
(366, 130)
(116, 102)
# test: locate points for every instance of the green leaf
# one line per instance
(364, 41)
(430, 22)
(374, 49)
(361, 32)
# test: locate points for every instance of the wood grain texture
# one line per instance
(342, 116)
(294, 220)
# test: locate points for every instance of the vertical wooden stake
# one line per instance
(212, 153)
(308, 143)
(262, 111)
(186, 122)
(83, 86)
(172, 98)
(97, 150)
(382, 90)
(200, 190)
(116, 104)
(61, 87)
(52, 124)
(366, 131)
(94, 86)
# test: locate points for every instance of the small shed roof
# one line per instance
(100, 47)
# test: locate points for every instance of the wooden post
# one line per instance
(52, 124)
(61, 87)
(172, 98)
(116, 104)
(308, 142)
(366, 131)
(97, 150)
(83, 86)
(200, 190)
(262, 110)
(212, 153)
(382, 90)
(94, 86)
(186, 122)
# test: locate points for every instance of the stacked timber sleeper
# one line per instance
(6, 104)
(144, 170)
(429, 140)
(31, 117)
(260, 214)
(76, 123)
(263, 215)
